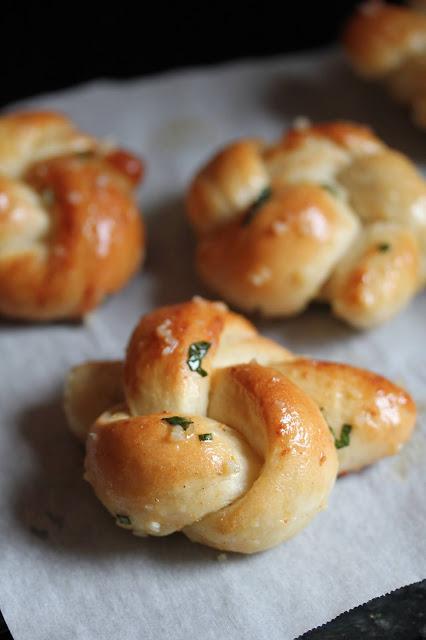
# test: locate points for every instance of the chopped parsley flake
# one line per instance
(178, 421)
(123, 519)
(344, 440)
(196, 353)
(257, 204)
(205, 436)
(383, 247)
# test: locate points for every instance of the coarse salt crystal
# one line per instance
(279, 227)
(260, 277)
(313, 223)
(177, 433)
(164, 331)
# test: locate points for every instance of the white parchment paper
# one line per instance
(66, 571)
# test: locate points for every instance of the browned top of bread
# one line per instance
(349, 135)
(380, 36)
(70, 230)
(282, 224)
(166, 340)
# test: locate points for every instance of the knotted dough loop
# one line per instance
(328, 213)
(233, 445)
(247, 476)
(388, 43)
(70, 230)
(159, 348)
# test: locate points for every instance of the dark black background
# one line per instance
(45, 46)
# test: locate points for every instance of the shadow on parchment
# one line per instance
(57, 508)
(339, 94)
(18, 324)
(170, 257)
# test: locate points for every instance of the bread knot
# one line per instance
(70, 230)
(387, 43)
(211, 429)
(329, 213)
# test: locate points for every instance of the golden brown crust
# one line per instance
(27, 137)
(276, 483)
(70, 230)
(137, 467)
(159, 350)
(381, 414)
(241, 458)
(230, 182)
(388, 42)
(379, 36)
(377, 277)
(348, 135)
(299, 460)
(277, 262)
(327, 185)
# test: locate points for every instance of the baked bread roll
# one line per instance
(223, 434)
(328, 213)
(70, 229)
(388, 43)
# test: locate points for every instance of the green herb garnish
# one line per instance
(330, 189)
(383, 247)
(344, 440)
(205, 436)
(196, 353)
(178, 421)
(257, 204)
(122, 519)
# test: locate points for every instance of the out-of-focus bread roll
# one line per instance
(388, 43)
(70, 229)
(321, 215)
